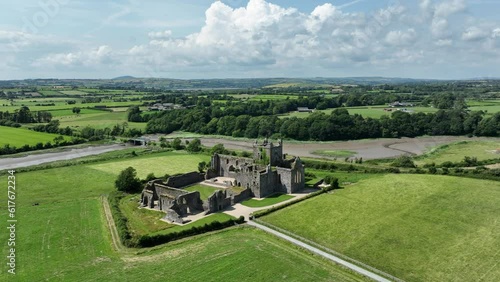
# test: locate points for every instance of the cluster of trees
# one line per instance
(339, 125)
(57, 142)
(90, 133)
(24, 115)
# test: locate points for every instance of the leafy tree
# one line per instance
(76, 110)
(177, 144)
(150, 177)
(128, 181)
(194, 146)
(218, 149)
(201, 166)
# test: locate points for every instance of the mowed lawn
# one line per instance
(268, 201)
(62, 236)
(19, 137)
(160, 164)
(455, 152)
(416, 227)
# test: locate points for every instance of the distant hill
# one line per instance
(126, 77)
(229, 83)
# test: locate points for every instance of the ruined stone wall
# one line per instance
(267, 183)
(223, 164)
(276, 154)
(285, 180)
(190, 203)
(219, 200)
(172, 192)
(273, 152)
(245, 194)
(147, 199)
(173, 216)
(185, 179)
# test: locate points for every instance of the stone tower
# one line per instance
(270, 151)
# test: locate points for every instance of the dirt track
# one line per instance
(366, 149)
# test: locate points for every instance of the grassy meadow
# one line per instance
(21, 136)
(62, 235)
(99, 119)
(334, 153)
(160, 164)
(416, 227)
(455, 152)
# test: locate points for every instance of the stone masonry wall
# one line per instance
(185, 179)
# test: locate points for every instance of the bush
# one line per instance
(404, 161)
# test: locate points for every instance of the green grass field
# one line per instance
(333, 153)
(205, 191)
(160, 164)
(416, 227)
(205, 220)
(62, 236)
(343, 177)
(268, 201)
(375, 112)
(455, 152)
(99, 120)
(20, 136)
(142, 221)
(69, 113)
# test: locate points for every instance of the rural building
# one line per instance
(304, 110)
(269, 172)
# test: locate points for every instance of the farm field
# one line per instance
(367, 112)
(455, 152)
(99, 120)
(160, 164)
(62, 225)
(418, 228)
(343, 177)
(60, 104)
(20, 136)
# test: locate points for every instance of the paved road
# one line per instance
(12, 163)
(333, 258)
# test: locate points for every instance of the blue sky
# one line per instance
(446, 39)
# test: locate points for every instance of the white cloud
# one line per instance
(475, 34)
(160, 34)
(399, 38)
(448, 8)
(94, 57)
(496, 33)
(264, 37)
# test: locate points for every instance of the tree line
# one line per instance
(339, 125)
(24, 115)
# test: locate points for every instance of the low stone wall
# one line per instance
(185, 179)
(245, 194)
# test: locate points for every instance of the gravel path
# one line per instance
(317, 251)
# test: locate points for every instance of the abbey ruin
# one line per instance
(267, 173)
